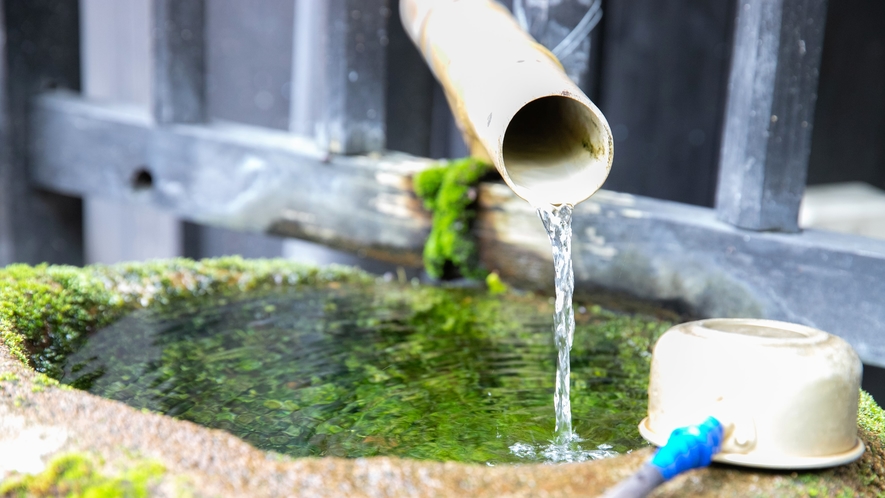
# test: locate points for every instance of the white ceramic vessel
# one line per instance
(786, 393)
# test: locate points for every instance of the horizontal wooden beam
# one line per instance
(229, 175)
(263, 180)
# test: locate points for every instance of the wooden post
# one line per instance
(179, 61)
(6, 244)
(339, 73)
(770, 109)
(41, 51)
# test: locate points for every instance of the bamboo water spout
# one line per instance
(512, 100)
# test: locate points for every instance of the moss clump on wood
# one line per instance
(46, 311)
(495, 284)
(446, 191)
(76, 475)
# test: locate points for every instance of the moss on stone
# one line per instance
(76, 475)
(397, 362)
(46, 311)
(871, 417)
(869, 471)
(446, 190)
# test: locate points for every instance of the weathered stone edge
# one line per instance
(211, 462)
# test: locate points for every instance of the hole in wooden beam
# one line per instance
(142, 179)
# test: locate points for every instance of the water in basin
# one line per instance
(378, 369)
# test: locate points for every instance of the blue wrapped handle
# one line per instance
(689, 448)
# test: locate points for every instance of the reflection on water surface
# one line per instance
(382, 369)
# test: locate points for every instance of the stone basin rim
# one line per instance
(224, 475)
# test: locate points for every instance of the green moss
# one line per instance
(76, 475)
(394, 369)
(495, 284)
(47, 311)
(42, 381)
(871, 417)
(822, 484)
(8, 376)
(446, 191)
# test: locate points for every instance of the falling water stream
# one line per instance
(566, 444)
(558, 222)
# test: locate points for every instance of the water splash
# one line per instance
(561, 453)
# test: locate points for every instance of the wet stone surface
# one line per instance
(45, 311)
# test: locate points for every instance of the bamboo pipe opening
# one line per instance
(554, 151)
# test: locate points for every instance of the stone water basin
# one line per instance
(399, 389)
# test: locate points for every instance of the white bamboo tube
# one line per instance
(512, 100)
